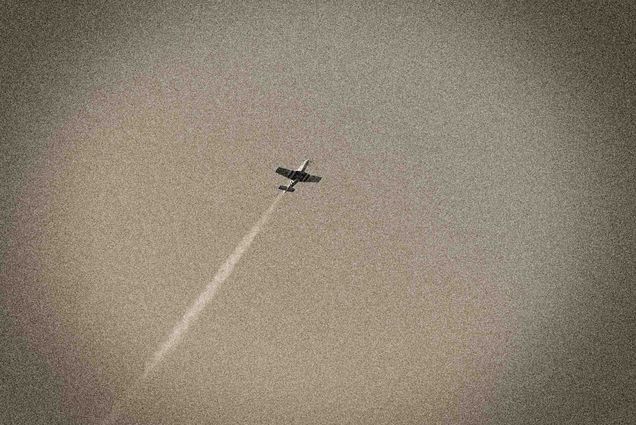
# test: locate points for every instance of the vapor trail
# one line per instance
(199, 304)
(208, 293)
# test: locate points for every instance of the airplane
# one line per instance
(296, 176)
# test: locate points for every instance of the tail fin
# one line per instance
(286, 189)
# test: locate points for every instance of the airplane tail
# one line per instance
(286, 189)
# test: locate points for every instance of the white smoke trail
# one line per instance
(208, 293)
(197, 307)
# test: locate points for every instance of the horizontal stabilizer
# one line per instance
(286, 189)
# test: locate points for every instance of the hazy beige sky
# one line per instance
(467, 257)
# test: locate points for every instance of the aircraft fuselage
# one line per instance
(296, 176)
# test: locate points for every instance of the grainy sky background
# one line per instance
(467, 258)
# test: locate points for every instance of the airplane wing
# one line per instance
(284, 172)
(313, 179)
